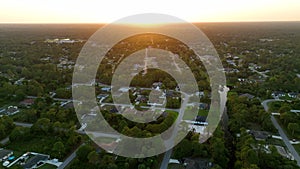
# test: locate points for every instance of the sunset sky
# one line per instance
(99, 11)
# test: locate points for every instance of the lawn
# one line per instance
(47, 166)
(203, 113)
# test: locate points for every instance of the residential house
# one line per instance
(200, 120)
(157, 85)
(11, 110)
(106, 89)
(141, 98)
(36, 161)
(102, 96)
(198, 163)
(293, 95)
(260, 135)
(27, 102)
(203, 106)
(247, 95)
(67, 105)
(4, 154)
(278, 94)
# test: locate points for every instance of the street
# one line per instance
(281, 132)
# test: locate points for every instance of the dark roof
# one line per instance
(201, 118)
(164, 114)
(203, 106)
(113, 110)
(68, 105)
(4, 153)
(141, 98)
(260, 135)
(249, 96)
(293, 93)
(169, 93)
(198, 163)
(34, 160)
(278, 93)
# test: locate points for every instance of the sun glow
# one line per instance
(96, 11)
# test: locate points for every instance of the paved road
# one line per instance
(165, 162)
(266, 102)
(286, 140)
(170, 141)
(69, 159)
(4, 141)
(56, 99)
(23, 124)
(98, 134)
(281, 132)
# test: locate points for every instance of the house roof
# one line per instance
(260, 135)
(201, 118)
(4, 153)
(102, 96)
(105, 88)
(34, 160)
(157, 84)
(293, 94)
(12, 109)
(198, 163)
(27, 102)
(68, 105)
(114, 110)
(203, 106)
(249, 96)
(278, 93)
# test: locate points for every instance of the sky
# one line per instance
(107, 11)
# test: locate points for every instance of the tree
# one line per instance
(19, 134)
(293, 127)
(287, 117)
(83, 152)
(219, 152)
(58, 149)
(285, 108)
(2, 131)
(93, 157)
(43, 125)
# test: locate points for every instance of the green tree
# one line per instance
(83, 152)
(293, 127)
(93, 157)
(58, 149)
(43, 125)
(19, 134)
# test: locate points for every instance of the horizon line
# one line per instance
(36, 23)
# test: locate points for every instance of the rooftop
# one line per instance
(35, 160)
(4, 153)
